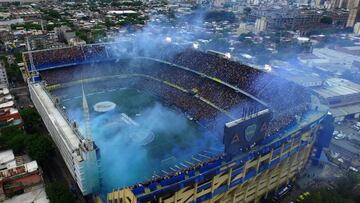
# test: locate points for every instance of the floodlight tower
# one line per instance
(28, 47)
(88, 136)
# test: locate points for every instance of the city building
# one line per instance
(260, 24)
(7, 159)
(342, 96)
(357, 28)
(20, 181)
(6, 2)
(352, 4)
(244, 28)
(299, 19)
(332, 59)
(3, 77)
(9, 114)
(353, 17)
(79, 154)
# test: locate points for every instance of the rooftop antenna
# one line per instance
(88, 136)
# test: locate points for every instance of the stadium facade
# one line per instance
(79, 155)
(265, 145)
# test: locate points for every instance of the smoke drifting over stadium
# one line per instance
(166, 114)
(159, 138)
(155, 123)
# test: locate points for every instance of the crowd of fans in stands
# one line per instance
(286, 99)
(268, 87)
(186, 171)
(68, 55)
(190, 83)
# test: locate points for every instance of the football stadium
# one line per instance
(174, 125)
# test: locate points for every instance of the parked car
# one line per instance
(282, 193)
(340, 136)
(303, 196)
(353, 169)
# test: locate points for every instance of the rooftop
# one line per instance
(4, 91)
(7, 104)
(334, 87)
(345, 110)
(71, 138)
(6, 156)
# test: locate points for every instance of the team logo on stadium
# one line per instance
(250, 132)
(235, 139)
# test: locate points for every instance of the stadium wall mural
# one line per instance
(240, 135)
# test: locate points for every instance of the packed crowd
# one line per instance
(286, 99)
(94, 52)
(223, 97)
(218, 94)
(195, 108)
(267, 87)
(68, 55)
(186, 171)
(54, 56)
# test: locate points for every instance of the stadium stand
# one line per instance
(268, 87)
(265, 86)
(221, 96)
(202, 79)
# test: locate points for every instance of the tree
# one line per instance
(98, 34)
(247, 11)
(324, 195)
(13, 71)
(345, 191)
(18, 57)
(326, 20)
(39, 147)
(54, 14)
(219, 16)
(109, 23)
(82, 35)
(17, 142)
(58, 192)
(32, 120)
(13, 137)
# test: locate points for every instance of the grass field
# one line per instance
(163, 138)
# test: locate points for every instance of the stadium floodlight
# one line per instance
(168, 39)
(267, 68)
(228, 55)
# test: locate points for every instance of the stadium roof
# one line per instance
(345, 110)
(121, 12)
(335, 87)
(55, 115)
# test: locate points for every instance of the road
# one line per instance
(56, 170)
(312, 178)
(21, 88)
(22, 96)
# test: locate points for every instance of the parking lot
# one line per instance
(345, 145)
